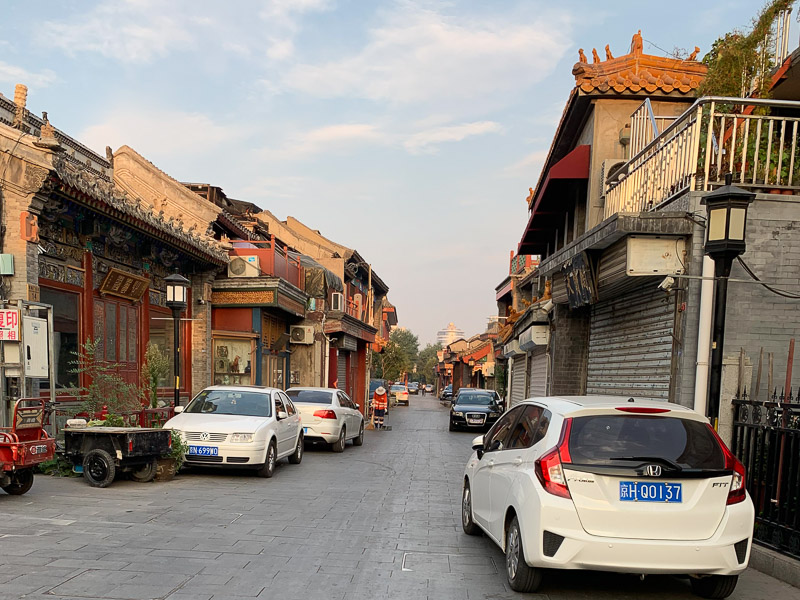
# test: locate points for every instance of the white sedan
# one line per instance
(399, 393)
(613, 484)
(240, 427)
(329, 415)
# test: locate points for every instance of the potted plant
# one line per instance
(154, 369)
(170, 464)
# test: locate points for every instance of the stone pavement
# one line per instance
(377, 522)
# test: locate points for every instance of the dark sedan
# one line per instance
(474, 409)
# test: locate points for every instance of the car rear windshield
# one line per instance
(230, 402)
(398, 388)
(310, 396)
(610, 439)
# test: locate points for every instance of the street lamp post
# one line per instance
(725, 240)
(176, 301)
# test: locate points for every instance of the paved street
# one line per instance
(380, 521)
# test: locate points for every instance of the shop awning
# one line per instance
(547, 208)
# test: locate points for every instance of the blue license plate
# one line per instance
(204, 450)
(647, 491)
(305, 430)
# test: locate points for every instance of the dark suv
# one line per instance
(475, 409)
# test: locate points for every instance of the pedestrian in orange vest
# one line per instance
(379, 402)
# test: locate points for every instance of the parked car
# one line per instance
(399, 393)
(429, 388)
(328, 415)
(413, 388)
(241, 427)
(447, 393)
(624, 485)
(473, 409)
(374, 384)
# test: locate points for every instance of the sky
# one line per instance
(409, 130)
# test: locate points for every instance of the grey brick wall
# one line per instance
(569, 350)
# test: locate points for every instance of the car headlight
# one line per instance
(241, 438)
(494, 415)
(458, 414)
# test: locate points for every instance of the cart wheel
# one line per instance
(99, 468)
(22, 481)
(147, 473)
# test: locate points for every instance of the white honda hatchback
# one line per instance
(612, 484)
(240, 427)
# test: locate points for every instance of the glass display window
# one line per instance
(233, 361)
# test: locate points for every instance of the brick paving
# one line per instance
(377, 522)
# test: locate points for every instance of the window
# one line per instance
(289, 406)
(116, 326)
(497, 438)
(66, 307)
(232, 365)
(345, 401)
(162, 335)
(527, 431)
(310, 396)
(279, 407)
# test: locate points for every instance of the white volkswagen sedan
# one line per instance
(613, 484)
(328, 415)
(241, 427)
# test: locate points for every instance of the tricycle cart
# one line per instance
(102, 452)
(23, 446)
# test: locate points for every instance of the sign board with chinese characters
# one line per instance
(9, 325)
(125, 285)
(579, 280)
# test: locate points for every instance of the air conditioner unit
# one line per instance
(244, 266)
(609, 169)
(301, 334)
(337, 301)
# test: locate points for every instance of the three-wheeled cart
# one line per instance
(23, 446)
(102, 452)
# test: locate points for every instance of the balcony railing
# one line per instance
(275, 261)
(713, 137)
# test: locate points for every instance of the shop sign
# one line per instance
(125, 285)
(579, 281)
(9, 325)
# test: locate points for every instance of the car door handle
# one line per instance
(518, 461)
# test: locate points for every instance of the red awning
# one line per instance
(573, 166)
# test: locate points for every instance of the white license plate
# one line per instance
(475, 421)
(204, 450)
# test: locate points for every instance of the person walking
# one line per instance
(422, 388)
(379, 403)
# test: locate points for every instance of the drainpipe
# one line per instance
(704, 336)
(326, 367)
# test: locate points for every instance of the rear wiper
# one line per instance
(655, 459)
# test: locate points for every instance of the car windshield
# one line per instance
(310, 396)
(475, 399)
(231, 402)
(398, 388)
(617, 439)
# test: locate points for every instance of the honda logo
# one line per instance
(653, 470)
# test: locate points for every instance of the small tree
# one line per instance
(155, 368)
(106, 387)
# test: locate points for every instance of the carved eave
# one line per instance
(102, 196)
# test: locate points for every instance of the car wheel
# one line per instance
(714, 586)
(338, 445)
(99, 468)
(469, 526)
(21, 482)
(359, 440)
(146, 473)
(452, 427)
(521, 577)
(268, 468)
(297, 455)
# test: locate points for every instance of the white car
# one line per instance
(329, 415)
(612, 484)
(399, 393)
(240, 427)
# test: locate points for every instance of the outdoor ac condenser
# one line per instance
(244, 266)
(301, 334)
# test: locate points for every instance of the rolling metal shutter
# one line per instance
(341, 370)
(537, 386)
(518, 380)
(630, 345)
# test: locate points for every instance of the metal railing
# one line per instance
(766, 438)
(715, 136)
(646, 126)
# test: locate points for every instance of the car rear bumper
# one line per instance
(321, 434)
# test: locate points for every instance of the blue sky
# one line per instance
(410, 130)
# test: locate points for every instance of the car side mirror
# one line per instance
(178, 410)
(282, 415)
(477, 445)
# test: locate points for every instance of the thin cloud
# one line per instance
(13, 74)
(527, 166)
(340, 137)
(427, 141)
(422, 56)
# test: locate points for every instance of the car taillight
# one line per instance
(738, 491)
(549, 469)
(325, 414)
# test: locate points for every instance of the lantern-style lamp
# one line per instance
(725, 240)
(177, 286)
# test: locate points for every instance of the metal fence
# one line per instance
(766, 438)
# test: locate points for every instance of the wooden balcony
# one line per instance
(755, 140)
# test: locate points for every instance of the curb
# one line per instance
(775, 565)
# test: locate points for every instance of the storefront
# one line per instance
(347, 369)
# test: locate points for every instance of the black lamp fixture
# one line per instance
(725, 240)
(177, 286)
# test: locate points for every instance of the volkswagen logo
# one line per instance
(205, 436)
(653, 470)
